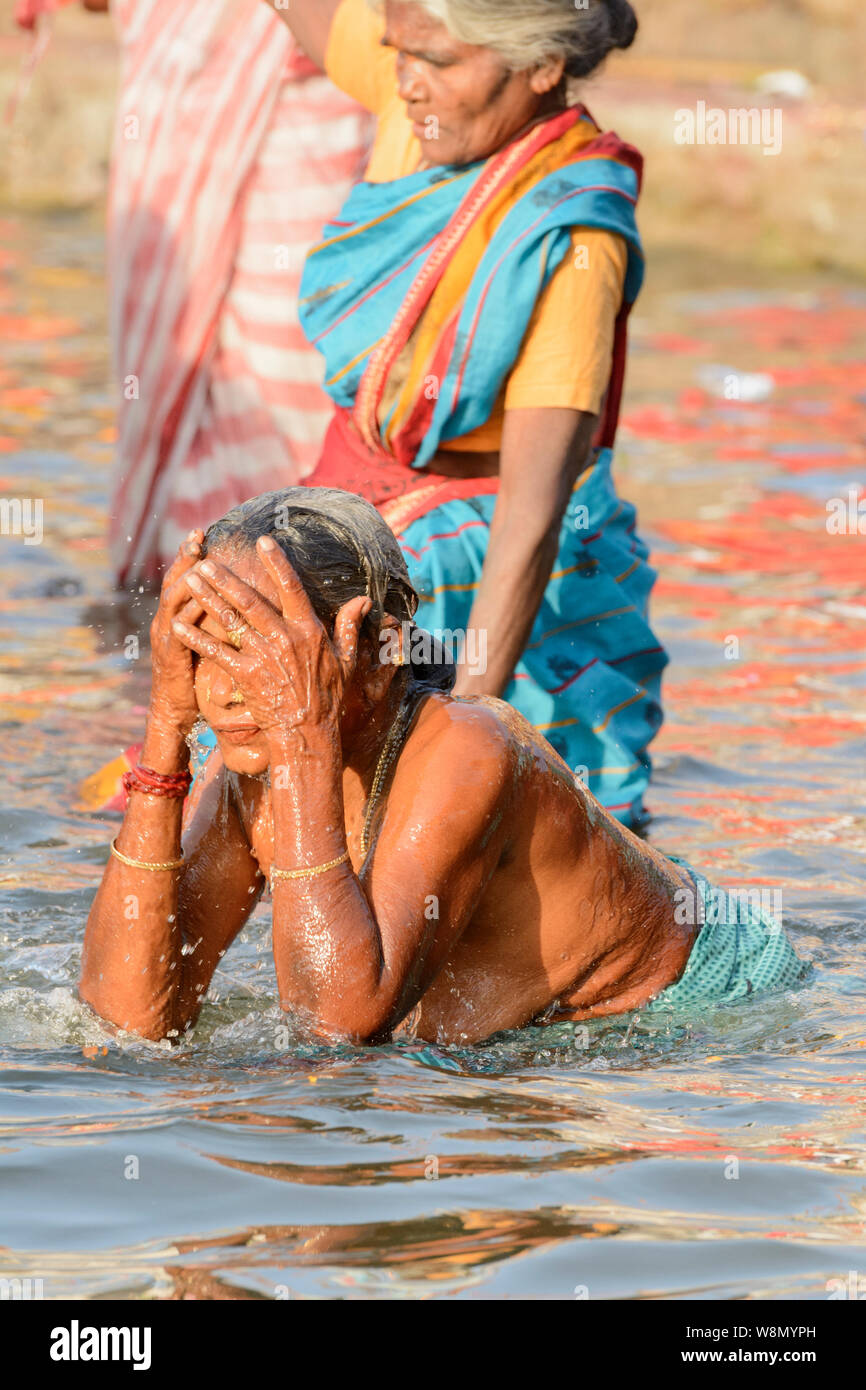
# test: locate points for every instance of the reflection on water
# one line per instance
(716, 1155)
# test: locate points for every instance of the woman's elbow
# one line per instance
(148, 1022)
(355, 1026)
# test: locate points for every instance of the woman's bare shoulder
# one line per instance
(488, 722)
(466, 720)
(452, 733)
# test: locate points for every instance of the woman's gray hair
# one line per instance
(339, 547)
(527, 33)
(337, 542)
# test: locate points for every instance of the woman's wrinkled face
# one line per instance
(242, 744)
(462, 101)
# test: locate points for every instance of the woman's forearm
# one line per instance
(131, 961)
(330, 953)
(327, 945)
(516, 572)
(310, 22)
(544, 450)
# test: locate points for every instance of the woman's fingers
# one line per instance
(191, 612)
(245, 600)
(186, 557)
(217, 607)
(202, 642)
(347, 631)
(174, 591)
(294, 599)
(174, 599)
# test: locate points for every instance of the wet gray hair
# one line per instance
(339, 547)
(527, 33)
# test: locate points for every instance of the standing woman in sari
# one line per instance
(470, 302)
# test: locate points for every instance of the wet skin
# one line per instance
(496, 889)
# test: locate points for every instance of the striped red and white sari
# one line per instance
(231, 150)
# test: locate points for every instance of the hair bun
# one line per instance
(623, 22)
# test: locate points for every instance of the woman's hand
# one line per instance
(172, 703)
(291, 673)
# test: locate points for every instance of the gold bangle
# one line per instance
(140, 864)
(308, 873)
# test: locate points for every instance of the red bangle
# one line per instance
(144, 779)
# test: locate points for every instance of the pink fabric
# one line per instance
(27, 12)
(230, 153)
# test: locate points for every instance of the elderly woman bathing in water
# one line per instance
(435, 867)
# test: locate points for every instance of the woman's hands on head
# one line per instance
(172, 702)
(291, 673)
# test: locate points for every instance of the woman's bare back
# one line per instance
(572, 910)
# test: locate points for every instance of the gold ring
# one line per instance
(234, 637)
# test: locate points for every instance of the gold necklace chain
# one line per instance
(396, 733)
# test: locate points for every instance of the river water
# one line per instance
(716, 1155)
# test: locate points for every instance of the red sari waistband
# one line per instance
(401, 494)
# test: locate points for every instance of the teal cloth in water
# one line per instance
(740, 950)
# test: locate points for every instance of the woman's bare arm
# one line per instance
(154, 938)
(544, 451)
(352, 958)
(310, 22)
